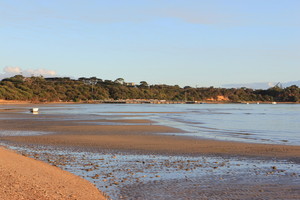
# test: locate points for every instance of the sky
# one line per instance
(199, 43)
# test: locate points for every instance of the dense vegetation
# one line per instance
(66, 89)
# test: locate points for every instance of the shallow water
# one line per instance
(21, 133)
(262, 123)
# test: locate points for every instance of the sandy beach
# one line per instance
(26, 178)
(138, 136)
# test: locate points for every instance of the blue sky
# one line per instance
(185, 42)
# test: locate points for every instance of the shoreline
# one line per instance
(17, 102)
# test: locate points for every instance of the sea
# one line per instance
(254, 123)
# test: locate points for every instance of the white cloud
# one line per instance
(10, 71)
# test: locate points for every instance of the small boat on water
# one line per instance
(274, 102)
(34, 110)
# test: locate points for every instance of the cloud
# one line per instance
(10, 71)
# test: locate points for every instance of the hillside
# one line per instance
(40, 89)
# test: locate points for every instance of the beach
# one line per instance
(26, 178)
(127, 133)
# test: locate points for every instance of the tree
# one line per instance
(143, 84)
(37, 88)
(120, 81)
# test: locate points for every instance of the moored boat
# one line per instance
(34, 110)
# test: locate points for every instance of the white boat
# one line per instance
(34, 109)
(274, 102)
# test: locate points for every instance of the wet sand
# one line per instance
(26, 178)
(137, 135)
(161, 144)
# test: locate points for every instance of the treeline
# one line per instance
(40, 89)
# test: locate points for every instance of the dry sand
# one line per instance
(26, 178)
(30, 103)
(12, 102)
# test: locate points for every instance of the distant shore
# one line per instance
(140, 101)
(8, 102)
